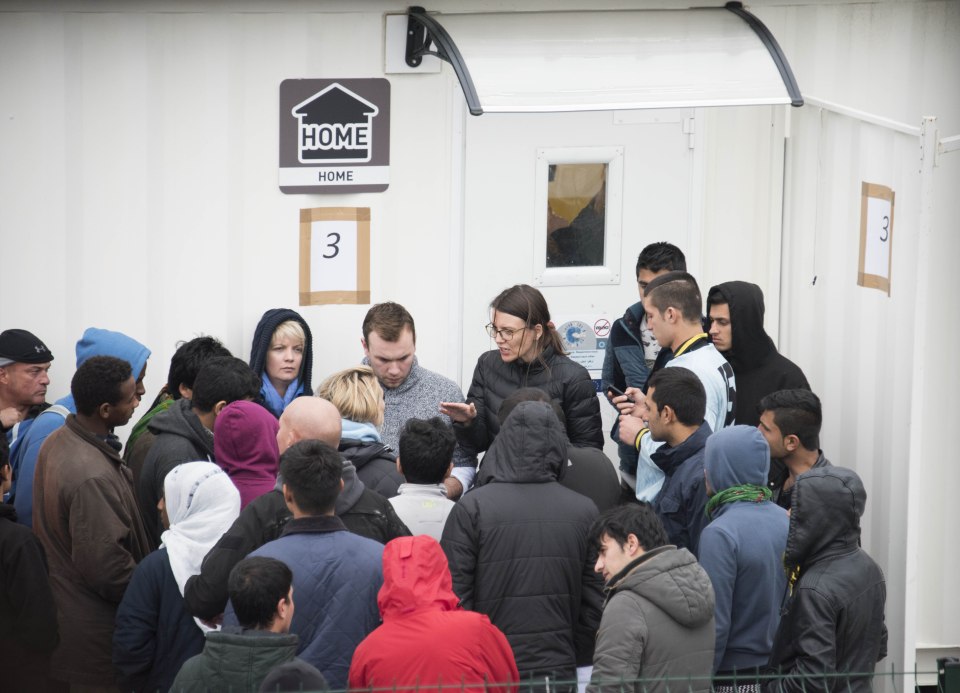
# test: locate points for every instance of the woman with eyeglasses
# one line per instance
(529, 353)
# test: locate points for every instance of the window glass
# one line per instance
(576, 214)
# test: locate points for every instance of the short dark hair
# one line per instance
(98, 381)
(188, 359)
(388, 320)
(255, 586)
(311, 471)
(678, 290)
(426, 449)
(530, 394)
(680, 389)
(797, 413)
(638, 519)
(224, 379)
(660, 256)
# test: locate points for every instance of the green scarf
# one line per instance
(744, 493)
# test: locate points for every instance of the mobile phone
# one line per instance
(618, 391)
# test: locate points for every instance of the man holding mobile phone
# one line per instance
(632, 350)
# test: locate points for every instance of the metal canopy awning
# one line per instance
(586, 61)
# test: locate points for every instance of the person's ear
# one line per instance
(632, 545)
(399, 468)
(287, 495)
(667, 415)
(185, 392)
(449, 471)
(103, 411)
(218, 407)
(791, 442)
(363, 343)
(538, 330)
(283, 606)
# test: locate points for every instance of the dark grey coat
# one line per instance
(657, 623)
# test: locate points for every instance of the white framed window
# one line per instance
(579, 207)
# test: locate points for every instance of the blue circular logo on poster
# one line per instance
(577, 336)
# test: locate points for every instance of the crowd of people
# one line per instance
(386, 531)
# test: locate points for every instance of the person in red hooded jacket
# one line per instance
(426, 636)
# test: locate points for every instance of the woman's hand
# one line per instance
(459, 412)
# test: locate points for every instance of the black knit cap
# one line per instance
(20, 346)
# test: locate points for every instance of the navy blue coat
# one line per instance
(683, 497)
(336, 578)
(154, 634)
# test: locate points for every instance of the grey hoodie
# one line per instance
(657, 625)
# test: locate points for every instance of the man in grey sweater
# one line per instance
(410, 391)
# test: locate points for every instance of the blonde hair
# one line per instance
(289, 329)
(356, 394)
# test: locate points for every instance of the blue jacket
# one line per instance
(95, 342)
(624, 366)
(336, 578)
(154, 634)
(683, 497)
(742, 551)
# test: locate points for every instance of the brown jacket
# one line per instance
(85, 515)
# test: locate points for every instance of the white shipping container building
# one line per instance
(140, 191)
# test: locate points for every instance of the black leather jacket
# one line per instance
(833, 622)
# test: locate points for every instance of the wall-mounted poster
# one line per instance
(876, 236)
(584, 338)
(334, 255)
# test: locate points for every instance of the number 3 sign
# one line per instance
(334, 255)
(876, 236)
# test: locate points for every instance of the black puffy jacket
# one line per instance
(363, 511)
(519, 552)
(566, 382)
(376, 465)
(833, 622)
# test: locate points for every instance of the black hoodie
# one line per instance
(758, 367)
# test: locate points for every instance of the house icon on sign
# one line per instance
(334, 126)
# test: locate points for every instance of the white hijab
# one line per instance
(201, 504)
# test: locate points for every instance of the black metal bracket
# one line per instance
(776, 53)
(422, 31)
